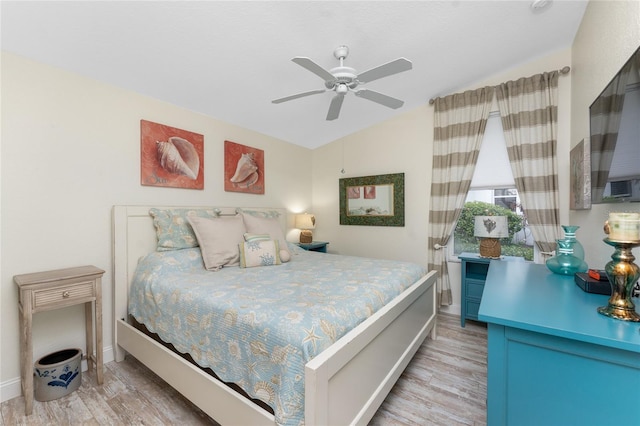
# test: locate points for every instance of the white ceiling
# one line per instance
(229, 59)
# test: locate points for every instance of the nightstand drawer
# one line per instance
(473, 306)
(475, 289)
(62, 295)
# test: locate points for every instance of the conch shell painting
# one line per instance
(246, 171)
(243, 168)
(171, 157)
(179, 156)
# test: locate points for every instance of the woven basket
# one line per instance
(490, 247)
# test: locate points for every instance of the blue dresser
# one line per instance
(552, 359)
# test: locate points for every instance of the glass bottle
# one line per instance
(570, 234)
(565, 263)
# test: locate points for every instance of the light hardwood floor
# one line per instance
(445, 384)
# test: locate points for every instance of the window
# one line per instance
(493, 192)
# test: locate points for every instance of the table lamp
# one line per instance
(305, 222)
(489, 229)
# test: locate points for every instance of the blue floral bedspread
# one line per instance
(258, 327)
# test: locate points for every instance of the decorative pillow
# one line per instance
(219, 239)
(256, 237)
(267, 225)
(285, 256)
(267, 214)
(173, 229)
(259, 253)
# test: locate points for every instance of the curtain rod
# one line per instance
(563, 70)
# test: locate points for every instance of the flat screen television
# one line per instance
(614, 121)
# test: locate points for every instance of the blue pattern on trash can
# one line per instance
(57, 374)
(62, 380)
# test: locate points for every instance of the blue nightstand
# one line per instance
(319, 246)
(474, 270)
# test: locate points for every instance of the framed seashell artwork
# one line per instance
(170, 157)
(243, 168)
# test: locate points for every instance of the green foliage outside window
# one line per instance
(466, 242)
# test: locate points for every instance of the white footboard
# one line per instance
(347, 383)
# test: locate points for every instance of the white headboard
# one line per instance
(134, 236)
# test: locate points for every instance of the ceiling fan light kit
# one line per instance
(343, 79)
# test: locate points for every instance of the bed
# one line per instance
(343, 384)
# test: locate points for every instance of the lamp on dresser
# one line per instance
(305, 222)
(489, 229)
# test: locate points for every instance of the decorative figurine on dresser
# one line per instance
(623, 230)
(569, 259)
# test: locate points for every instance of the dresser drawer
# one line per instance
(475, 289)
(60, 296)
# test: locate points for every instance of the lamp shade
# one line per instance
(305, 221)
(491, 227)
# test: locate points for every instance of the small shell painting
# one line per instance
(243, 168)
(171, 157)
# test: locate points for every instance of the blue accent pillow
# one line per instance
(173, 229)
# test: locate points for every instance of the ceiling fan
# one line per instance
(343, 79)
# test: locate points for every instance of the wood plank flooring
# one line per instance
(445, 384)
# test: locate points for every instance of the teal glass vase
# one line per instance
(570, 234)
(565, 263)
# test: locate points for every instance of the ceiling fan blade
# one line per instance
(385, 100)
(299, 95)
(390, 68)
(334, 108)
(314, 68)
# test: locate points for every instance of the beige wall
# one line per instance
(608, 35)
(395, 146)
(70, 151)
(404, 144)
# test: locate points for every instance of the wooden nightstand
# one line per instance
(320, 246)
(44, 291)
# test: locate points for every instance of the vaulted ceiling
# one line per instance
(230, 59)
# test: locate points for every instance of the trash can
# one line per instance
(57, 374)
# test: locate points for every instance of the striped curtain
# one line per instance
(459, 124)
(529, 113)
(605, 115)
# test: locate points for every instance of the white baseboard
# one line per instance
(451, 309)
(12, 388)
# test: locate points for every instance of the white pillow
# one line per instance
(218, 239)
(267, 225)
(259, 253)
